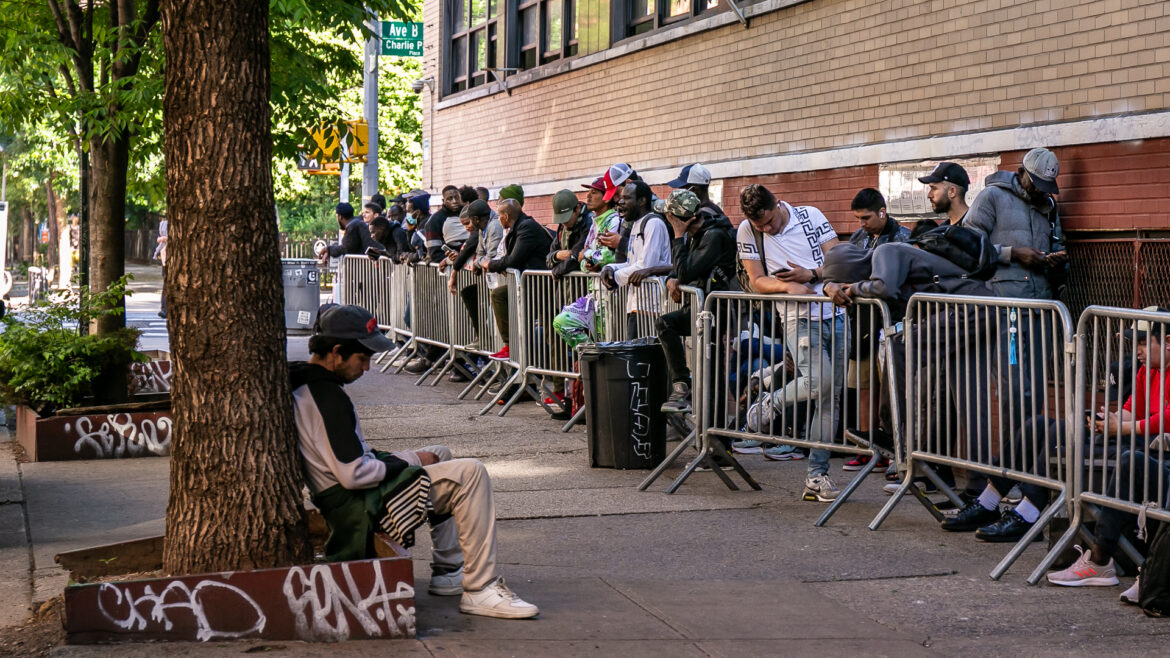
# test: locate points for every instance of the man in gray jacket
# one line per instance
(1018, 214)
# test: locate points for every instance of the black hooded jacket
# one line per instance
(707, 259)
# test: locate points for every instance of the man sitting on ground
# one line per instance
(348, 479)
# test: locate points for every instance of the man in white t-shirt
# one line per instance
(649, 255)
(794, 241)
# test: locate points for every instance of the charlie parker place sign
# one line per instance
(402, 39)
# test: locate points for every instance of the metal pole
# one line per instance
(370, 109)
(344, 182)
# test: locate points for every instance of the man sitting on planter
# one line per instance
(361, 491)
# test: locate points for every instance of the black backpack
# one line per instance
(1154, 584)
(969, 249)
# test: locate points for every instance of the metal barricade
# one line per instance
(690, 298)
(649, 303)
(778, 370)
(366, 283)
(429, 313)
(515, 363)
(473, 332)
(1120, 465)
(988, 385)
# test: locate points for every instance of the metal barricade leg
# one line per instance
(577, 417)
(503, 391)
(1030, 536)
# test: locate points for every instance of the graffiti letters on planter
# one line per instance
(121, 435)
(148, 610)
(324, 607)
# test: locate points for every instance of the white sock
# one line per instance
(1028, 511)
(989, 499)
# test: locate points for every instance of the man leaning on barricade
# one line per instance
(782, 248)
(524, 247)
(1017, 212)
(893, 272)
(648, 255)
(702, 256)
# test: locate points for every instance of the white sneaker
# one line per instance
(1130, 595)
(472, 346)
(1085, 573)
(447, 584)
(820, 488)
(496, 600)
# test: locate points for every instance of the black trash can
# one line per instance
(625, 385)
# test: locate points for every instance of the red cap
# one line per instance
(598, 185)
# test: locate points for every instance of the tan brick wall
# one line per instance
(824, 74)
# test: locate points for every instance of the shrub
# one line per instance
(46, 364)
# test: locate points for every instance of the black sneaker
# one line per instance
(679, 401)
(972, 517)
(1009, 528)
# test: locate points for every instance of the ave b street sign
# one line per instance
(402, 39)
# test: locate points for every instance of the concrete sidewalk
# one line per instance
(615, 571)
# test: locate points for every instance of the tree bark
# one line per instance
(53, 221)
(235, 499)
(110, 157)
(28, 248)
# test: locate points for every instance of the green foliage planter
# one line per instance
(46, 364)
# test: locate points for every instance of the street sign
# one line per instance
(402, 39)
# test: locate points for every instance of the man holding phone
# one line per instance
(1017, 212)
(782, 248)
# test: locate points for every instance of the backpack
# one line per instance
(741, 275)
(1154, 584)
(969, 249)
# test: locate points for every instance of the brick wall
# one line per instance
(820, 75)
(1109, 186)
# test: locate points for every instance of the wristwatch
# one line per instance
(815, 279)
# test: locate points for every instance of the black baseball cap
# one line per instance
(478, 208)
(351, 322)
(947, 172)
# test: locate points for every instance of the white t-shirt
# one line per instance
(799, 242)
(649, 247)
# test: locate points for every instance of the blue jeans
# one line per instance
(819, 349)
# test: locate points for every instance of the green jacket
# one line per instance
(353, 515)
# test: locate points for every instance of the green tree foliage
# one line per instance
(316, 54)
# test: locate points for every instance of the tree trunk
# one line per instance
(52, 221)
(28, 229)
(235, 498)
(110, 157)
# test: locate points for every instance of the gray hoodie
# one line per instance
(1006, 214)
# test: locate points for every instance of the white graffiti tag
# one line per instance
(127, 611)
(120, 436)
(322, 607)
(639, 400)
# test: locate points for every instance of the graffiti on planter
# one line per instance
(323, 607)
(150, 377)
(121, 435)
(149, 611)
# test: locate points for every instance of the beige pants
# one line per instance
(462, 488)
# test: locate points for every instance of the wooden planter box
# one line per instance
(326, 602)
(94, 436)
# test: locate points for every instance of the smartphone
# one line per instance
(782, 270)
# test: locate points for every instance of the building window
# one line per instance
(643, 16)
(547, 31)
(474, 34)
